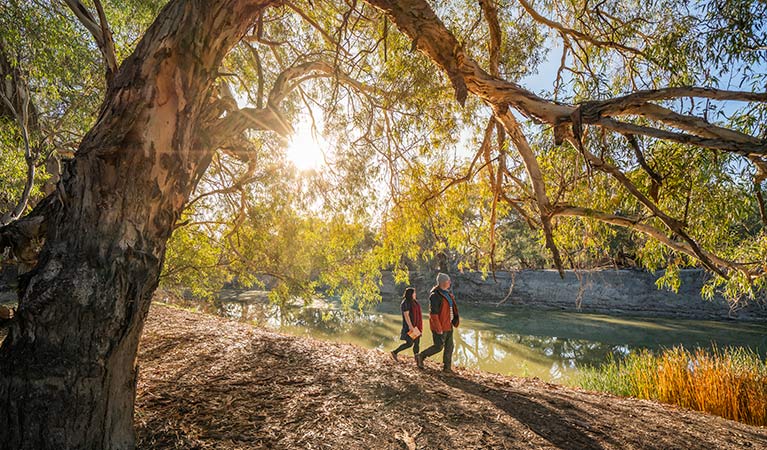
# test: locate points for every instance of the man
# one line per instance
(443, 317)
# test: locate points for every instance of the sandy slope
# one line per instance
(210, 383)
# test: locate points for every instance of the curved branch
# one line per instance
(618, 104)
(637, 225)
(100, 31)
(16, 100)
(23, 201)
(108, 51)
(575, 34)
(691, 124)
(291, 78)
(243, 119)
(418, 20)
(512, 127)
(655, 179)
(727, 145)
(269, 118)
(491, 17)
(675, 225)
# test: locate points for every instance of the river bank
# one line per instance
(621, 292)
(206, 382)
(510, 340)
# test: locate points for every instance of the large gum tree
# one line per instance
(68, 366)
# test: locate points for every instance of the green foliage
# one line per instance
(410, 174)
(267, 235)
(13, 169)
(61, 68)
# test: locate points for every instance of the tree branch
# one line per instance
(691, 124)
(637, 225)
(618, 104)
(656, 179)
(417, 19)
(100, 32)
(290, 79)
(16, 99)
(575, 34)
(491, 17)
(675, 225)
(269, 118)
(727, 145)
(243, 119)
(512, 127)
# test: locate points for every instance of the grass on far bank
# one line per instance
(730, 382)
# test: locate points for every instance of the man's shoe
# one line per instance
(394, 355)
(419, 360)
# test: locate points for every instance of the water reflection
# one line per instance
(551, 345)
(546, 357)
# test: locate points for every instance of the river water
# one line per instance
(509, 340)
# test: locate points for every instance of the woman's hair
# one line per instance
(408, 295)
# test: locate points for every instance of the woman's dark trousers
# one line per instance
(416, 344)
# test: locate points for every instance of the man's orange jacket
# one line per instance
(439, 311)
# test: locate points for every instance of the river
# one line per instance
(510, 340)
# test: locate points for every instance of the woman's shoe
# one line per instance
(394, 355)
(419, 360)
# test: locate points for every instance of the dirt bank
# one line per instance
(210, 383)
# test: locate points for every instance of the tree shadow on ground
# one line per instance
(563, 426)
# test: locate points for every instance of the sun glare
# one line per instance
(305, 150)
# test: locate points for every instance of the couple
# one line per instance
(443, 316)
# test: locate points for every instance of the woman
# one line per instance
(412, 320)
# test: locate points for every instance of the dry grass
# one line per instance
(730, 383)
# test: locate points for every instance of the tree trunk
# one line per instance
(67, 367)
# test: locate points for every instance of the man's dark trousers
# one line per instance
(444, 340)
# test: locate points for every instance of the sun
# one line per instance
(306, 150)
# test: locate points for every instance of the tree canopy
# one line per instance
(577, 137)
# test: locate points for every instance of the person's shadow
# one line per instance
(562, 426)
